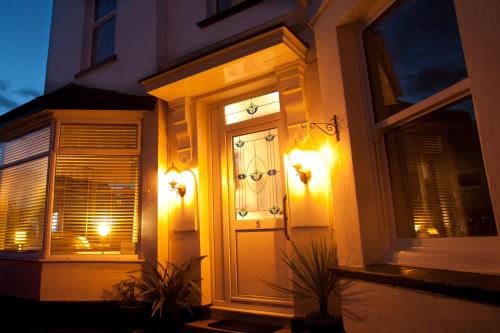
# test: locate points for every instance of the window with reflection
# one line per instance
(413, 51)
(438, 182)
(103, 31)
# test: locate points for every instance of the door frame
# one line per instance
(221, 159)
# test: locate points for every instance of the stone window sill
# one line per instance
(482, 288)
(227, 13)
(108, 60)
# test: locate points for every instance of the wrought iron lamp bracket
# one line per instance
(330, 129)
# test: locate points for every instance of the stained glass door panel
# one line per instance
(257, 175)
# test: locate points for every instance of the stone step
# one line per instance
(202, 327)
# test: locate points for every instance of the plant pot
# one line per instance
(134, 315)
(330, 324)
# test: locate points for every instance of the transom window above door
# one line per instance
(252, 108)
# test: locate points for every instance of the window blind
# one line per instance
(118, 136)
(95, 204)
(96, 196)
(23, 185)
(25, 146)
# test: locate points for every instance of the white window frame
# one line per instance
(478, 254)
(40, 254)
(104, 118)
(95, 25)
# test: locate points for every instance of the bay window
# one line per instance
(82, 193)
(23, 184)
(96, 184)
(423, 107)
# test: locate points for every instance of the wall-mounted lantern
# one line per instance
(331, 128)
(297, 158)
(174, 179)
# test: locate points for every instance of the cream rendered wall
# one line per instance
(135, 46)
(362, 235)
(184, 36)
(65, 45)
(374, 308)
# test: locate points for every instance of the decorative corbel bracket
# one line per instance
(180, 131)
(290, 79)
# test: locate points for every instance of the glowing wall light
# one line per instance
(174, 179)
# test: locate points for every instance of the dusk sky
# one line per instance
(24, 38)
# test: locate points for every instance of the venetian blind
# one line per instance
(23, 185)
(74, 135)
(430, 193)
(96, 197)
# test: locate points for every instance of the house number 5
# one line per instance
(257, 224)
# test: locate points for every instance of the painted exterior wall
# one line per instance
(164, 32)
(184, 36)
(363, 235)
(70, 46)
(372, 307)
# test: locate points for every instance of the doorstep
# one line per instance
(202, 327)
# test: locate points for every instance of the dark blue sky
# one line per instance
(24, 37)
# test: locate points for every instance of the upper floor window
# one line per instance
(222, 5)
(422, 105)
(103, 30)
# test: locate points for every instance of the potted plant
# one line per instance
(131, 303)
(171, 289)
(311, 263)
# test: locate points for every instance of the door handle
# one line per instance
(285, 218)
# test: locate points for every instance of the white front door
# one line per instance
(253, 219)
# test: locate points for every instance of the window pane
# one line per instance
(103, 7)
(257, 178)
(252, 108)
(222, 5)
(439, 185)
(22, 205)
(25, 146)
(413, 51)
(104, 41)
(95, 204)
(76, 135)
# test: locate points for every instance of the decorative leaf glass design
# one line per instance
(256, 167)
(251, 108)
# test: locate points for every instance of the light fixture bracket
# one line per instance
(330, 129)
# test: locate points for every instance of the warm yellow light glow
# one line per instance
(307, 167)
(175, 180)
(432, 231)
(20, 237)
(103, 229)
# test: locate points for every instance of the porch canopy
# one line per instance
(227, 64)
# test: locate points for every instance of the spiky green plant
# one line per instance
(169, 287)
(311, 263)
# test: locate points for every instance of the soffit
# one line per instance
(246, 60)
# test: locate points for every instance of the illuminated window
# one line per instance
(438, 182)
(23, 185)
(257, 175)
(252, 108)
(103, 30)
(96, 193)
